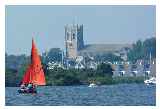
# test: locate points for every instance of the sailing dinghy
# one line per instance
(34, 75)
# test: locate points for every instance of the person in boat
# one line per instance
(31, 87)
(22, 87)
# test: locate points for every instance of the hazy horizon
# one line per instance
(102, 25)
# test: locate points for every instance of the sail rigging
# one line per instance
(34, 73)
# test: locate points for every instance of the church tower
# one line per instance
(73, 40)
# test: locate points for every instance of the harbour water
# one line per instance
(106, 95)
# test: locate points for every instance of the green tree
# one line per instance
(11, 77)
(142, 50)
(105, 69)
(150, 48)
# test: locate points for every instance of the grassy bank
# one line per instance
(118, 80)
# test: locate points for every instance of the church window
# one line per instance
(70, 44)
(67, 36)
(73, 35)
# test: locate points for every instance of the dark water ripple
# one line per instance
(108, 95)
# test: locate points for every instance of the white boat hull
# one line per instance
(150, 81)
(92, 85)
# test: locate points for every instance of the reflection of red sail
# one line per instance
(34, 73)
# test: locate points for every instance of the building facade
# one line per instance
(73, 40)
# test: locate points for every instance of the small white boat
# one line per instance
(92, 85)
(150, 81)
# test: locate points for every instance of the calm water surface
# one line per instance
(107, 95)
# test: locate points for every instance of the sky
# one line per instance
(117, 24)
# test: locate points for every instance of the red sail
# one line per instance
(34, 73)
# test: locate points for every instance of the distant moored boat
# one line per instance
(150, 81)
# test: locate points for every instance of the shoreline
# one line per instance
(118, 80)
